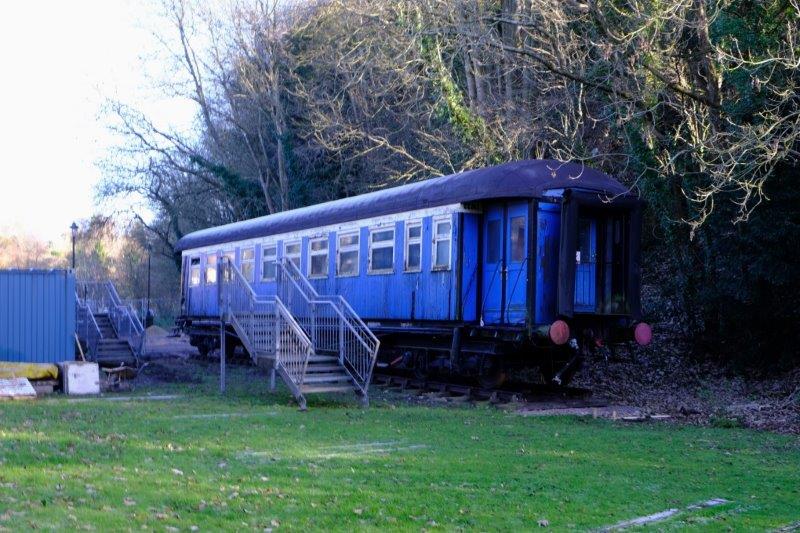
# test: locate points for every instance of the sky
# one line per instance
(60, 61)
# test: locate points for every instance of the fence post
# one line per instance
(222, 350)
(314, 332)
(341, 341)
(277, 337)
(222, 355)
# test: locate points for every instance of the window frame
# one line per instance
(314, 253)
(230, 254)
(251, 262)
(299, 254)
(264, 256)
(208, 269)
(192, 268)
(435, 239)
(412, 240)
(348, 248)
(514, 245)
(389, 243)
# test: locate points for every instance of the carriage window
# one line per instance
(517, 239)
(493, 241)
(248, 264)
(318, 257)
(211, 269)
(381, 251)
(194, 272)
(291, 251)
(413, 259)
(268, 256)
(347, 255)
(442, 238)
(226, 273)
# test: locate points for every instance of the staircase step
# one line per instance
(326, 378)
(322, 359)
(316, 368)
(115, 361)
(313, 389)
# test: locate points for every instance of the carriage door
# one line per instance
(505, 257)
(194, 294)
(586, 266)
(493, 267)
(516, 278)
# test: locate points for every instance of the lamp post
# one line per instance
(74, 228)
(149, 254)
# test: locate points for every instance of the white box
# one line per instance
(81, 378)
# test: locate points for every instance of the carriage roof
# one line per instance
(518, 179)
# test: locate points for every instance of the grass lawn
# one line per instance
(250, 460)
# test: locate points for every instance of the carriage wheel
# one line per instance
(491, 373)
(421, 364)
(204, 348)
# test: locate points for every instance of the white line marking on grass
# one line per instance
(223, 415)
(161, 397)
(789, 528)
(713, 502)
(343, 450)
(663, 515)
(349, 450)
(361, 445)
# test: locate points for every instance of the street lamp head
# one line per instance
(74, 228)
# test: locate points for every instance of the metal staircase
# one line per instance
(109, 329)
(317, 343)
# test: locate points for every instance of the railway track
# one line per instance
(460, 392)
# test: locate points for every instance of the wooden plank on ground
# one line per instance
(16, 389)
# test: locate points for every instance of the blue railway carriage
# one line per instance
(525, 264)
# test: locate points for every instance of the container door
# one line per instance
(492, 268)
(586, 266)
(516, 274)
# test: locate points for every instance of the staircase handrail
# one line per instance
(124, 320)
(90, 337)
(360, 371)
(129, 311)
(317, 299)
(337, 297)
(292, 352)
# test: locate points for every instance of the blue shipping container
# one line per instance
(37, 316)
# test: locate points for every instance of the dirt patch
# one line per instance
(159, 343)
(170, 369)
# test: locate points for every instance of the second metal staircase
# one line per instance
(109, 329)
(316, 343)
